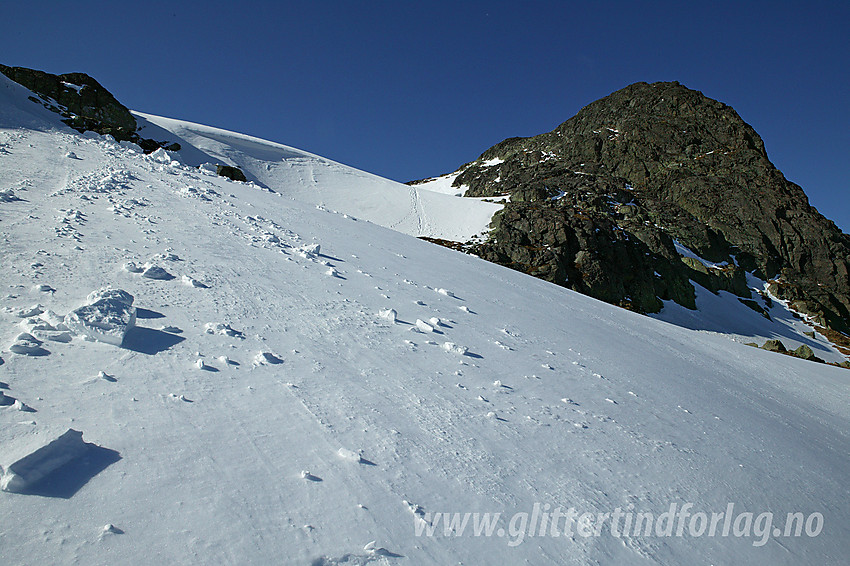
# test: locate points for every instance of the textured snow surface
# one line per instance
(277, 415)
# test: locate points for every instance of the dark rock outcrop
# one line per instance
(596, 204)
(233, 173)
(84, 104)
(590, 253)
(774, 346)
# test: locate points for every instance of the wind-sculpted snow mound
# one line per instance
(27, 471)
(106, 317)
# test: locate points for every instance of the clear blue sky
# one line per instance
(414, 89)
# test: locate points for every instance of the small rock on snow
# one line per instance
(454, 348)
(106, 377)
(24, 408)
(110, 529)
(349, 455)
(309, 251)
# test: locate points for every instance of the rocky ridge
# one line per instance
(84, 104)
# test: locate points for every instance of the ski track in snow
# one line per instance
(318, 420)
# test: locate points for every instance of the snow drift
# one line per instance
(22, 474)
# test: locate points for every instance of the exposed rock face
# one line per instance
(233, 173)
(87, 105)
(589, 253)
(84, 103)
(596, 203)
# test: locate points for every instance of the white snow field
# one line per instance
(316, 180)
(321, 404)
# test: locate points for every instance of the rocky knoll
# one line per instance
(84, 104)
(597, 203)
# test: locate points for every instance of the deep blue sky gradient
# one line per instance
(414, 89)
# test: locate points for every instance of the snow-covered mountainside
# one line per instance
(279, 383)
(316, 180)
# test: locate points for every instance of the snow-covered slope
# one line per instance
(316, 180)
(434, 208)
(724, 314)
(269, 407)
(442, 185)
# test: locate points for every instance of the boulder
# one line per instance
(774, 346)
(806, 353)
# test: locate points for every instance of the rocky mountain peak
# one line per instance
(667, 120)
(600, 203)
